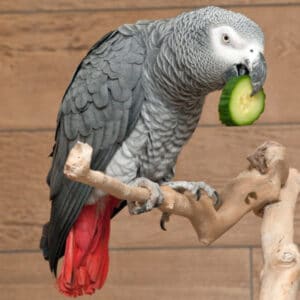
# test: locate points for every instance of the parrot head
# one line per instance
(216, 44)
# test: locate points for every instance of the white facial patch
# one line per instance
(231, 48)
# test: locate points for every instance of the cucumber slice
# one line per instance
(237, 107)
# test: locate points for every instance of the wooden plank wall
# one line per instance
(41, 43)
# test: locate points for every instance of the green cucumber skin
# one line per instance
(224, 110)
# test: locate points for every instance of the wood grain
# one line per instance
(213, 155)
(42, 5)
(186, 274)
(40, 52)
(24, 195)
(41, 44)
(257, 267)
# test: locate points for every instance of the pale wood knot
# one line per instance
(78, 161)
(266, 155)
(288, 256)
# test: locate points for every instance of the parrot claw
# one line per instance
(165, 217)
(195, 188)
(156, 196)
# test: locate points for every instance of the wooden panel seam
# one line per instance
(124, 9)
(52, 130)
(163, 248)
(251, 280)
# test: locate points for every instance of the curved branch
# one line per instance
(252, 189)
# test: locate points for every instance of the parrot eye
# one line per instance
(225, 38)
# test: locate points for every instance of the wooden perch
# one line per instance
(268, 187)
(252, 189)
(281, 271)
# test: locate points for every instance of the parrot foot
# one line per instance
(195, 187)
(156, 196)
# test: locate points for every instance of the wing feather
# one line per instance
(100, 107)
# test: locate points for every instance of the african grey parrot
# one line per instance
(136, 98)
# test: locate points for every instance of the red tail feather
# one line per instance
(86, 260)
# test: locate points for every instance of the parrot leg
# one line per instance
(156, 196)
(195, 188)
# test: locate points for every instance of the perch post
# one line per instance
(281, 271)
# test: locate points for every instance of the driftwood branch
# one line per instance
(252, 189)
(267, 186)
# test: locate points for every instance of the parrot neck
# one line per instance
(171, 82)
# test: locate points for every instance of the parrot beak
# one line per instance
(257, 70)
(258, 73)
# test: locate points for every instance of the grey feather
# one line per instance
(82, 101)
